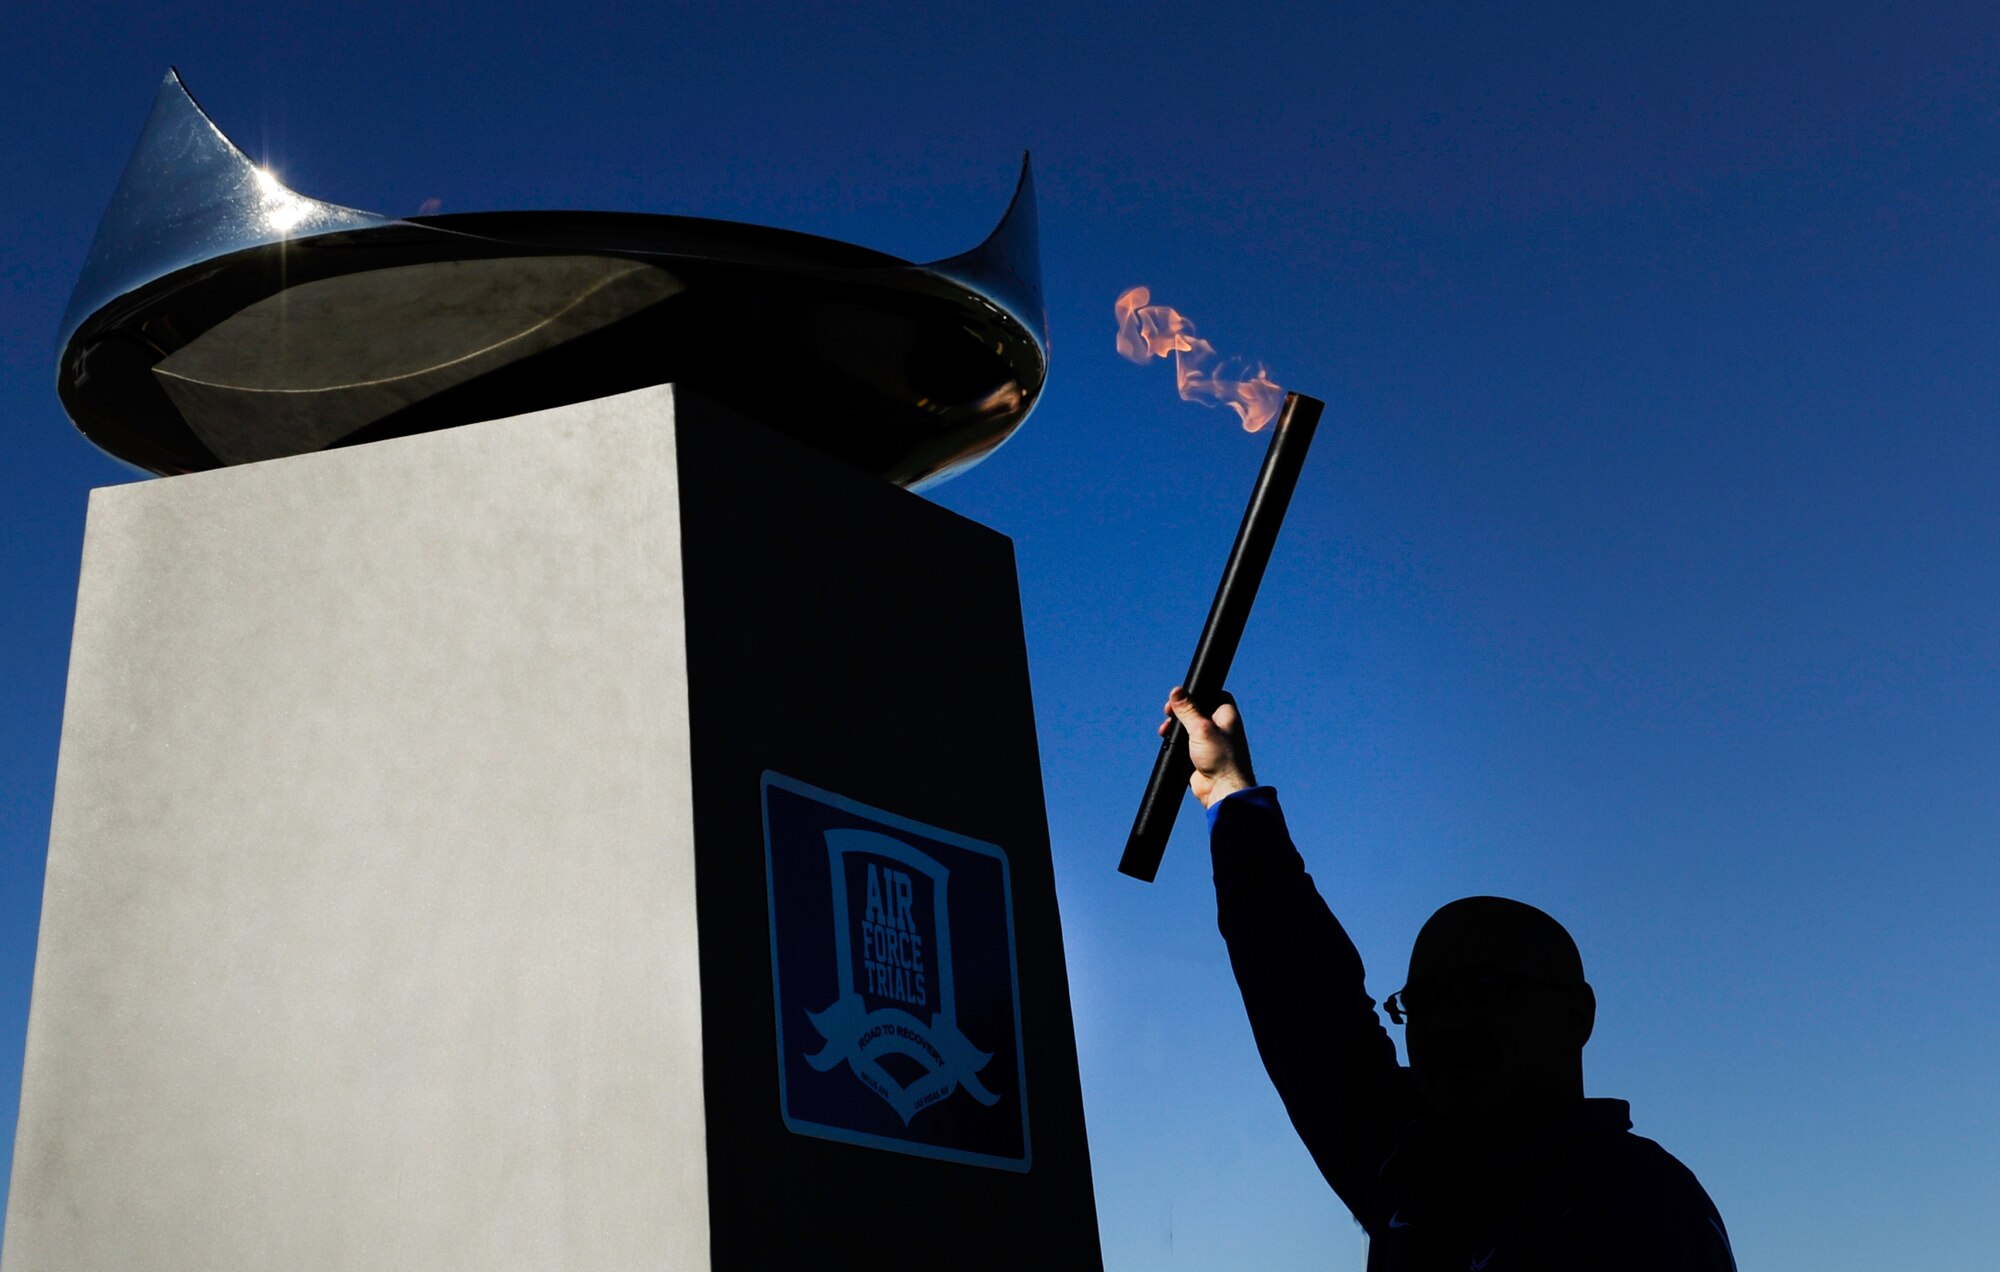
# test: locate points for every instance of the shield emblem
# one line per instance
(895, 992)
(893, 950)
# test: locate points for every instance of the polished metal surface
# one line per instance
(222, 318)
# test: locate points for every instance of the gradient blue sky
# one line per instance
(1645, 568)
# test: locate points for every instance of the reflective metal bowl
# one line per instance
(222, 318)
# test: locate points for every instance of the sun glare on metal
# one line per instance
(283, 210)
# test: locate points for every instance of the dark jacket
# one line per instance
(1585, 1194)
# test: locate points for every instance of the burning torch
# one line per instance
(1147, 331)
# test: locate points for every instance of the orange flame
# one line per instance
(1147, 331)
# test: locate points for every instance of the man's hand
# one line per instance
(1216, 744)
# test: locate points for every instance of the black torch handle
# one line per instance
(1255, 538)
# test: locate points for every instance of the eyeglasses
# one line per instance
(1479, 990)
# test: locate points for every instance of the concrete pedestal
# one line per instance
(520, 846)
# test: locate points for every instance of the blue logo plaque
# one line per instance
(898, 1002)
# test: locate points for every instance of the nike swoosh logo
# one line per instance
(1396, 1221)
(1488, 1259)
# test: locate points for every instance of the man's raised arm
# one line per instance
(1300, 976)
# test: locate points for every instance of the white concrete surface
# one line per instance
(369, 934)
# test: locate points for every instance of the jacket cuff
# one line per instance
(1248, 842)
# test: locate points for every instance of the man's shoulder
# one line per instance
(1623, 1163)
(1624, 1191)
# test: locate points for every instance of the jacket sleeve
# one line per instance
(1302, 983)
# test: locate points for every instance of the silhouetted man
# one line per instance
(1483, 1155)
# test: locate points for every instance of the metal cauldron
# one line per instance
(222, 318)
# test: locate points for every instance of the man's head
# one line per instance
(1498, 1012)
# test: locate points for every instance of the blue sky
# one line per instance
(1644, 569)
